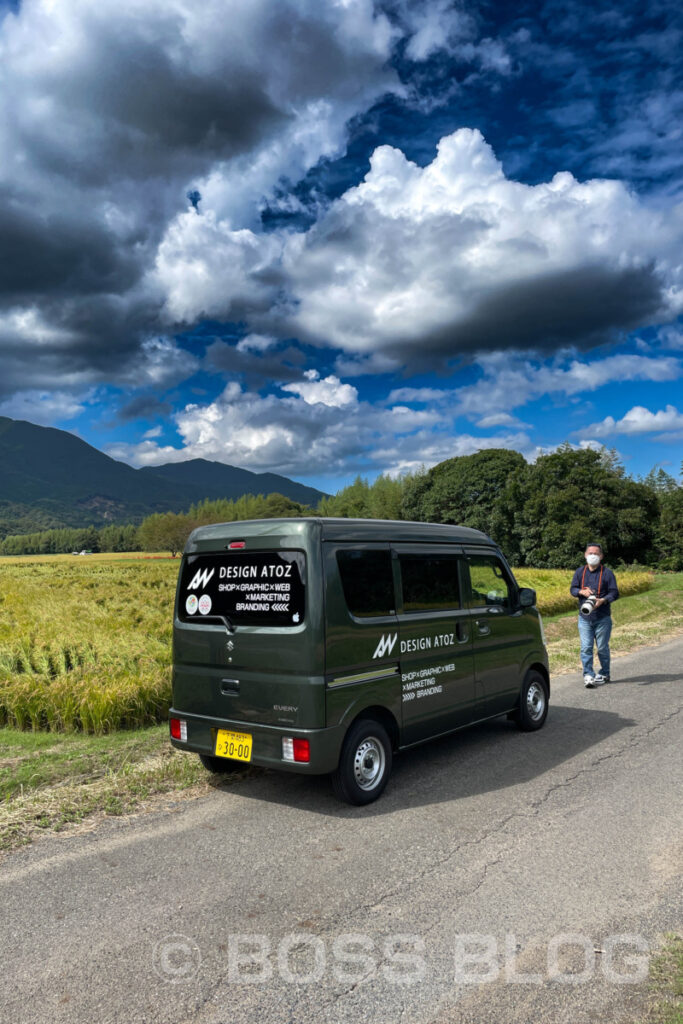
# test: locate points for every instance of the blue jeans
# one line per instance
(598, 632)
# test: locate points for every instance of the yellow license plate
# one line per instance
(235, 745)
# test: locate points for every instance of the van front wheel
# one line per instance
(364, 764)
(533, 702)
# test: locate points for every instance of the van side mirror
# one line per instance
(527, 597)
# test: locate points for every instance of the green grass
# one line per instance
(50, 780)
(666, 983)
(30, 761)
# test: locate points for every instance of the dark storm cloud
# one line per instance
(143, 407)
(44, 255)
(113, 117)
(582, 308)
(55, 346)
(280, 364)
(137, 111)
(110, 115)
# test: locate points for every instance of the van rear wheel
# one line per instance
(533, 702)
(220, 765)
(364, 763)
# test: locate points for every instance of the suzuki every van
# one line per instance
(327, 645)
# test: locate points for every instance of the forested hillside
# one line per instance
(542, 514)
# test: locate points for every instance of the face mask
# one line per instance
(593, 560)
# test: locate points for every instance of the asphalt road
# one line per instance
(492, 854)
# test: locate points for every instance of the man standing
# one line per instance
(595, 579)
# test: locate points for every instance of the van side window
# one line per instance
(368, 581)
(489, 583)
(430, 582)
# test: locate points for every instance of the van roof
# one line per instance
(333, 529)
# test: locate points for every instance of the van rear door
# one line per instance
(245, 645)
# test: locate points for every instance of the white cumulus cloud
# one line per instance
(639, 420)
(419, 263)
(329, 391)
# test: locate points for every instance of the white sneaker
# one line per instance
(600, 680)
(589, 681)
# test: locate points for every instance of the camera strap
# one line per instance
(583, 579)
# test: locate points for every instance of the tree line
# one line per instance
(541, 514)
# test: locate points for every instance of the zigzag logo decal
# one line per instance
(386, 645)
(200, 578)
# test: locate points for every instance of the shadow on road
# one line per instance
(484, 758)
(647, 679)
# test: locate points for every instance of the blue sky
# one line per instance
(330, 239)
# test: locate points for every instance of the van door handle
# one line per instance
(483, 628)
(462, 632)
(230, 687)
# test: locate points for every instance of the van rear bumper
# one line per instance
(325, 744)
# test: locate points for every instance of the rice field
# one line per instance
(85, 642)
(552, 586)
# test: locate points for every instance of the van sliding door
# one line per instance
(435, 641)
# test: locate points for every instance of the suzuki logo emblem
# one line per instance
(230, 645)
(386, 645)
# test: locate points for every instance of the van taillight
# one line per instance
(237, 544)
(178, 729)
(296, 750)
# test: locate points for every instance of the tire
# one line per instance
(533, 703)
(364, 763)
(220, 765)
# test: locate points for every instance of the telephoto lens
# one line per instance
(588, 605)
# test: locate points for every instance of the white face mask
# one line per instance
(593, 560)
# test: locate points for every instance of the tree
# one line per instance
(166, 531)
(572, 497)
(669, 532)
(386, 498)
(352, 502)
(476, 490)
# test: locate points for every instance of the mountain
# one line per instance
(218, 480)
(51, 478)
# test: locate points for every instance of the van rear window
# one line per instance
(430, 582)
(251, 588)
(367, 580)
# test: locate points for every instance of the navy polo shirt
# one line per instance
(608, 588)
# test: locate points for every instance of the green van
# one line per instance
(326, 645)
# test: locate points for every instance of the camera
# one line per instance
(588, 605)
